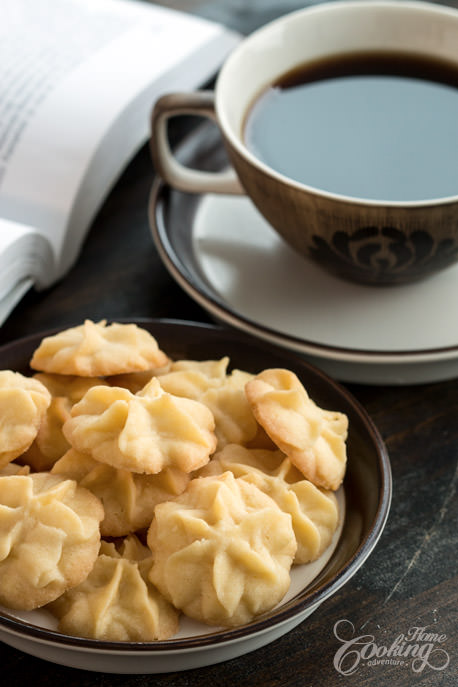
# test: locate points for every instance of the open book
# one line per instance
(78, 79)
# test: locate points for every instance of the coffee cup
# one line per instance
(372, 240)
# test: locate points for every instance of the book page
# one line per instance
(25, 258)
(68, 69)
(13, 297)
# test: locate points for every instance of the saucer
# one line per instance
(228, 258)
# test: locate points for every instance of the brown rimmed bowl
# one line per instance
(366, 495)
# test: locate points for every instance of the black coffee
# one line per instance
(372, 125)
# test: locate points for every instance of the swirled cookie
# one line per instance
(49, 537)
(313, 511)
(23, 403)
(70, 387)
(97, 349)
(222, 551)
(135, 381)
(224, 394)
(117, 602)
(128, 498)
(50, 444)
(313, 438)
(145, 432)
(14, 469)
(234, 419)
(191, 378)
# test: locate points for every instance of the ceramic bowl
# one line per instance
(365, 501)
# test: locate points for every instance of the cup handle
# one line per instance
(201, 103)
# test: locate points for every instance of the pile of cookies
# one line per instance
(134, 488)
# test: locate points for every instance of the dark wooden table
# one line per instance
(410, 581)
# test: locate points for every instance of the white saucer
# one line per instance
(226, 256)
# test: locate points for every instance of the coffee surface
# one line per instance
(380, 126)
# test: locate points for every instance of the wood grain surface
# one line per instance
(409, 581)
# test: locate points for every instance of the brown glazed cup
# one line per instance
(368, 241)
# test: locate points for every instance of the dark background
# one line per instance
(410, 579)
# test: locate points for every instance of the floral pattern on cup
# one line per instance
(383, 254)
